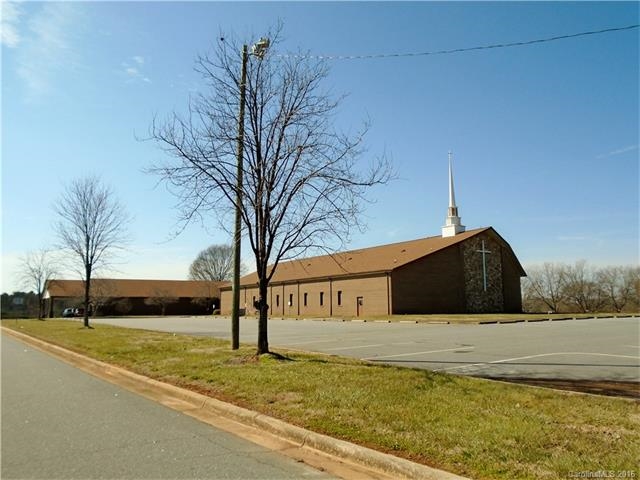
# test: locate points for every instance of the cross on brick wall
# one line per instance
(484, 253)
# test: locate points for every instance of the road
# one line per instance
(59, 422)
(592, 349)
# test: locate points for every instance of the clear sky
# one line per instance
(544, 137)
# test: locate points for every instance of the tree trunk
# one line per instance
(263, 339)
(87, 289)
(40, 306)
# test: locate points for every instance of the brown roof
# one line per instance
(115, 287)
(383, 258)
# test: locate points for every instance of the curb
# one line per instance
(190, 402)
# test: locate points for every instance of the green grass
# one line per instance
(469, 426)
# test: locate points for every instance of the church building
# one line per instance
(459, 271)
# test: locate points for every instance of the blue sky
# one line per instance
(544, 137)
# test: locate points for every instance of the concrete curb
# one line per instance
(190, 402)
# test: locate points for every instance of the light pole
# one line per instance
(258, 49)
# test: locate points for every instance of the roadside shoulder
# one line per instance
(335, 456)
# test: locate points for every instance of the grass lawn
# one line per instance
(469, 426)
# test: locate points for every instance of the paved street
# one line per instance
(593, 349)
(60, 423)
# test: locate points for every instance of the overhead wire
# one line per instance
(458, 50)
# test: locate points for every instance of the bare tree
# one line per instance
(36, 269)
(207, 295)
(214, 263)
(303, 181)
(620, 285)
(545, 285)
(103, 291)
(91, 225)
(161, 298)
(122, 305)
(581, 288)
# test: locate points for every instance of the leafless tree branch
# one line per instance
(304, 181)
(213, 264)
(92, 225)
(36, 269)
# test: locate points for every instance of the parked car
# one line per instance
(73, 312)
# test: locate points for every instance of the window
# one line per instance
(291, 299)
(339, 297)
(321, 298)
(305, 299)
(277, 300)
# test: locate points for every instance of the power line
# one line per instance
(458, 50)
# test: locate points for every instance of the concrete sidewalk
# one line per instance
(334, 456)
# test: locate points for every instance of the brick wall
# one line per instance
(511, 283)
(372, 291)
(433, 284)
(339, 298)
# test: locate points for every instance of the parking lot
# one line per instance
(592, 349)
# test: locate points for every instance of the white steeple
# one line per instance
(452, 224)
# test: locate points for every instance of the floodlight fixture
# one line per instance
(259, 48)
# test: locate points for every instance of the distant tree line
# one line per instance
(26, 305)
(583, 288)
(20, 305)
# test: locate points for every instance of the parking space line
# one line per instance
(418, 353)
(505, 360)
(353, 348)
(564, 353)
(468, 365)
(311, 342)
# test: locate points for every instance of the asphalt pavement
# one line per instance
(591, 349)
(61, 423)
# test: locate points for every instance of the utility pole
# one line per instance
(258, 50)
(237, 240)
